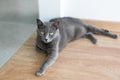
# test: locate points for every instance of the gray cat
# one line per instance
(53, 36)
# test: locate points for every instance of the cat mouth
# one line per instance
(46, 41)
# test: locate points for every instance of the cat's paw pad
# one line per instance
(115, 36)
(39, 73)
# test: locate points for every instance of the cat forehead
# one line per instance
(48, 24)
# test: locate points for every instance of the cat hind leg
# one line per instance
(106, 33)
(99, 31)
(91, 37)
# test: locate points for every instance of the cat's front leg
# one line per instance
(48, 62)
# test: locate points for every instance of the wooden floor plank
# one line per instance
(80, 60)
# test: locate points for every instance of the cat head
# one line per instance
(47, 31)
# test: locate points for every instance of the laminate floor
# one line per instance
(80, 60)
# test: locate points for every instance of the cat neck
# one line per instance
(57, 35)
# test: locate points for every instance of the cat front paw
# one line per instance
(114, 36)
(39, 73)
(94, 41)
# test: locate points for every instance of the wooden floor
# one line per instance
(80, 60)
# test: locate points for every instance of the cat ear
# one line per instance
(39, 22)
(56, 24)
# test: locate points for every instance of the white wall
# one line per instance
(49, 9)
(92, 9)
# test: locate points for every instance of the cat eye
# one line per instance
(51, 33)
(42, 33)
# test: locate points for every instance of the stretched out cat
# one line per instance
(53, 36)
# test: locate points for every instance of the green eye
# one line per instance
(42, 33)
(51, 33)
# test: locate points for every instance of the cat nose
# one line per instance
(46, 39)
